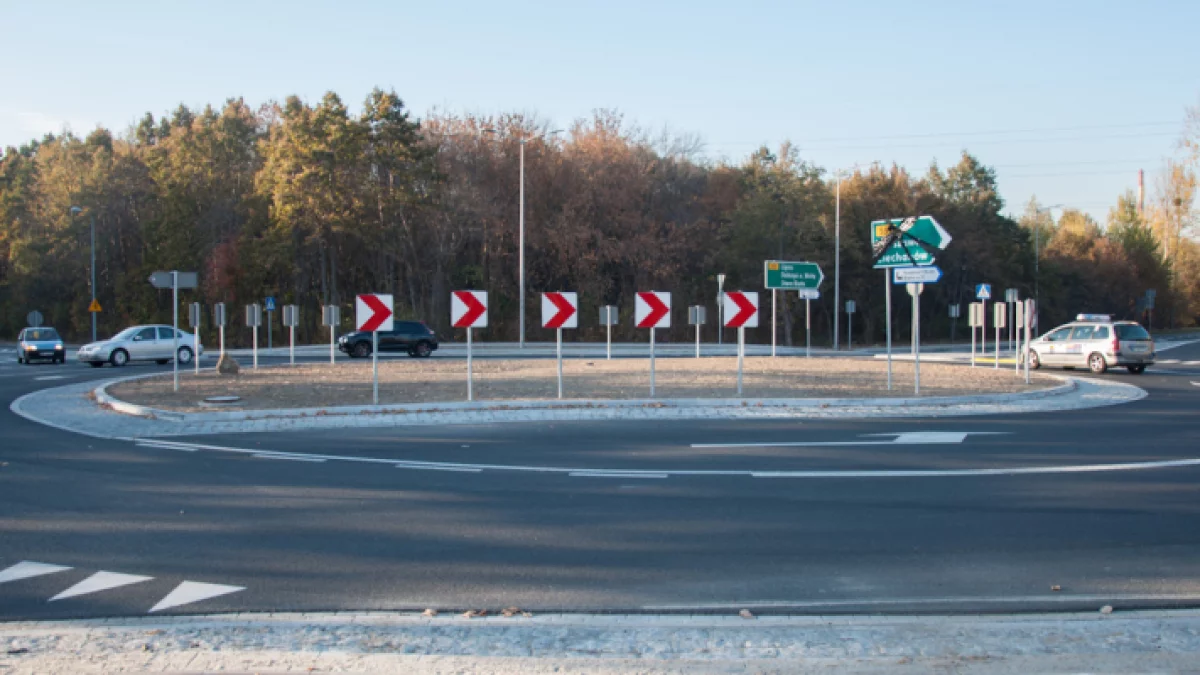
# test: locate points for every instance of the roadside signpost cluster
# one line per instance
(803, 277)
(291, 319)
(253, 321)
(696, 317)
(176, 280)
(1000, 318)
(608, 319)
(331, 316)
(652, 309)
(220, 318)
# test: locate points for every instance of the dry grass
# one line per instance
(439, 380)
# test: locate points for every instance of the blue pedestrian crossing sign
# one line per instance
(983, 292)
(269, 304)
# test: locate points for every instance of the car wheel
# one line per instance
(96, 364)
(1137, 370)
(423, 350)
(119, 358)
(361, 350)
(1097, 364)
(1035, 361)
(184, 355)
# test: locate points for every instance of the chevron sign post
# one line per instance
(741, 311)
(559, 311)
(652, 309)
(373, 312)
(469, 309)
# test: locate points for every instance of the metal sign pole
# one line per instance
(917, 342)
(559, 362)
(254, 351)
(374, 367)
(196, 344)
(983, 328)
(269, 345)
(221, 333)
(774, 312)
(470, 365)
(973, 320)
(850, 331)
(887, 282)
(697, 339)
(652, 362)
(997, 364)
(608, 336)
(292, 344)
(741, 354)
(807, 328)
(175, 324)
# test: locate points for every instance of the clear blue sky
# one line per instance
(738, 74)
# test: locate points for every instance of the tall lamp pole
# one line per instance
(75, 210)
(837, 256)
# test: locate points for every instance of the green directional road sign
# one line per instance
(906, 252)
(792, 275)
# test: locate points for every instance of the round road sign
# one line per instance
(34, 319)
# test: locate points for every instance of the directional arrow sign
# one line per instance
(164, 280)
(741, 309)
(916, 275)
(560, 310)
(792, 275)
(907, 251)
(373, 312)
(653, 309)
(469, 309)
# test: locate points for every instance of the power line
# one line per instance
(1087, 163)
(1067, 173)
(993, 132)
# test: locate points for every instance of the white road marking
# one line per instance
(907, 438)
(28, 570)
(164, 446)
(193, 591)
(663, 473)
(621, 474)
(1164, 346)
(44, 378)
(1057, 598)
(286, 456)
(1196, 383)
(100, 581)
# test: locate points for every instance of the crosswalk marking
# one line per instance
(100, 581)
(28, 570)
(193, 591)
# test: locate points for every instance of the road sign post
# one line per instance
(741, 311)
(219, 318)
(608, 319)
(696, 317)
(850, 307)
(1018, 325)
(269, 306)
(469, 310)
(194, 322)
(983, 293)
(955, 311)
(1030, 319)
(973, 322)
(887, 299)
(331, 315)
(915, 291)
(808, 295)
(559, 311)
(720, 304)
(1011, 297)
(175, 280)
(253, 321)
(1000, 318)
(291, 318)
(652, 309)
(781, 275)
(373, 312)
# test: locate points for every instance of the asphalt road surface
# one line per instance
(994, 513)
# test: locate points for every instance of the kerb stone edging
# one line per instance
(712, 405)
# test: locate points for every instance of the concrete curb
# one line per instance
(699, 405)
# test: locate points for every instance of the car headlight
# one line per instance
(30, 348)
(58, 346)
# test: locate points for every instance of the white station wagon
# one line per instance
(141, 343)
(1095, 342)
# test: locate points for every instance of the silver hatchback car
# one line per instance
(1095, 342)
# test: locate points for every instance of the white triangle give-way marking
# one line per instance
(193, 591)
(100, 581)
(26, 570)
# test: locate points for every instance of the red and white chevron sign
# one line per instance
(741, 309)
(372, 312)
(560, 310)
(468, 309)
(652, 309)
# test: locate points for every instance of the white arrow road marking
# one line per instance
(27, 570)
(100, 581)
(1196, 383)
(193, 591)
(907, 438)
(660, 473)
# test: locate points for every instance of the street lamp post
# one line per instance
(837, 255)
(74, 211)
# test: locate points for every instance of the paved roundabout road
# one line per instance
(819, 516)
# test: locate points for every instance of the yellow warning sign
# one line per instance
(95, 306)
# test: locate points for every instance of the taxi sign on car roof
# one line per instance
(1094, 317)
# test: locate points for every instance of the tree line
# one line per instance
(312, 203)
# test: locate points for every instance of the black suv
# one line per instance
(413, 337)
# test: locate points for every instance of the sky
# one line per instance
(1066, 100)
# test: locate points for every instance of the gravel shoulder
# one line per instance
(429, 381)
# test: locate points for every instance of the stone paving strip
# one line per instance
(1151, 641)
(74, 408)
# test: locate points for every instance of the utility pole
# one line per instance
(837, 255)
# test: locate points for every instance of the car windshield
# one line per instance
(1131, 331)
(40, 334)
(127, 333)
